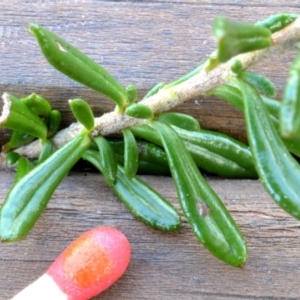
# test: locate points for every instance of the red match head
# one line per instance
(91, 263)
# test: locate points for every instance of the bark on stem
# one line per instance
(166, 99)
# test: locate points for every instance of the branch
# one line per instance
(168, 98)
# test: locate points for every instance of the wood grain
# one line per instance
(139, 42)
(163, 265)
(145, 42)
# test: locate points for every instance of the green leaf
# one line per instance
(17, 139)
(53, 123)
(70, 61)
(107, 160)
(235, 38)
(180, 120)
(218, 153)
(46, 152)
(12, 158)
(277, 22)
(146, 132)
(278, 171)
(290, 108)
(142, 201)
(237, 67)
(260, 82)
(152, 158)
(17, 116)
(139, 111)
(23, 168)
(37, 104)
(211, 222)
(131, 153)
(28, 198)
(213, 152)
(83, 113)
(231, 93)
(131, 94)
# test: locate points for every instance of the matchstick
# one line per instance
(84, 269)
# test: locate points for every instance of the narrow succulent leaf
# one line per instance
(152, 158)
(207, 150)
(211, 222)
(235, 38)
(231, 93)
(107, 160)
(139, 111)
(218, 153)
(180, 120)
(142, 201)
(29, 197)
(237, 67)
(131, 94)
(70, 61)
(17, 139)
(12, 158)
(212, 62)
(83, 113)
(23, 168)
(131, 153)
(277, 22)
(36, 103)
(17, 116)
(290, 108)
(53, 123)
(46, 152)
(260, 82)
(145, 203)
(146, 132)
(279, 172)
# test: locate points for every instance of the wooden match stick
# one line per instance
(87, 267)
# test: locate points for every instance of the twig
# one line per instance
(166, 99)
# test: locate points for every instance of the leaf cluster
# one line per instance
(166, 143)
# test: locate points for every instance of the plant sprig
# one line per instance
(184, 145)
(166, 99)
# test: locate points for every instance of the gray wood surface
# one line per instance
(145, 42)
(163, 265)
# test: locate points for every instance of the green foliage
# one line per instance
(144, 202)
(22, 119)
(28, 198)
(139, 111)
(277, 22)
(53, 123)
(131, 153)
(83, 113)
(260, 82)
(180, 120)
(167, 143)
(278, 170)
(289, 113)
(69, 60)
(12, 158)
(205, 212)
(235, 38)
(107, 160)
(131, 94)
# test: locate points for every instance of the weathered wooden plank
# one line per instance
(163, 265)
(141, 43)
(144, 43)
